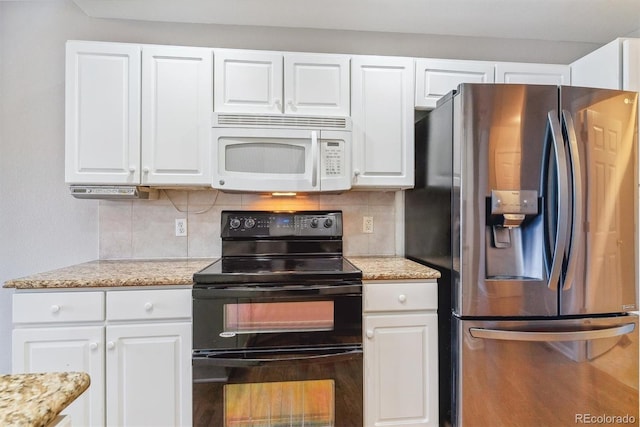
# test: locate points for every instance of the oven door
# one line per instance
(260, 317)
(293, 387)
(285, 355)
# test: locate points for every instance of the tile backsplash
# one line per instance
(141, 229)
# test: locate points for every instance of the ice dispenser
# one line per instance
(513, 239)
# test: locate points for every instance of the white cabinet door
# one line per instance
(382, 109)
(273, 82)
(247, 81)
(316, 84)
(400, 369)
(77, 348)
(524, 73)
(149, 380)
(177, 103)
(102, 113)
(437, 77)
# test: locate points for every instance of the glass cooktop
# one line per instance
(231, 270)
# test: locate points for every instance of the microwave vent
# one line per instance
(280, 121)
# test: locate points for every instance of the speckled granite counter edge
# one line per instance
(132, 273)
(115, 273)
(392, 268)
(36, 399)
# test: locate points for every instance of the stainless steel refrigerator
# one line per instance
(526, 199)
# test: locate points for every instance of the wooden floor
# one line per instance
(534, 384)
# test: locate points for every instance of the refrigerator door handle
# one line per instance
(551, 336)
(576, 220)
(554, 128)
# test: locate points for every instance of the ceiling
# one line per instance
(592, 21)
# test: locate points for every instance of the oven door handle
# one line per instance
(286, 290)
(320, 356)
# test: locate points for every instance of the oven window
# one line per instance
(291, 403)
(279, 316)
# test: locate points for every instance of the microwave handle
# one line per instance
(314, 158)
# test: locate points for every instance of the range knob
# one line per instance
(249, 223)
(234, 223)
(328, 223)
(314, 223)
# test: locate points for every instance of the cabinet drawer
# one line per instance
(152, 304)
(399, 296)
(58, 307)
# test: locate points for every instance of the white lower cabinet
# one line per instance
(70, 348)
(400, 342)
(149, 380)
(134, 344)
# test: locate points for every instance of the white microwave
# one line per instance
(281, 153)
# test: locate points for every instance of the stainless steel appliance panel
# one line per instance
(500, 134)
(546, 373)
(600, 126)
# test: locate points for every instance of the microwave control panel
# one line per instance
(332, 158)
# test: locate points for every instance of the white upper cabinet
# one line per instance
(316, 84)
(102, 113)
(273, 82)
(615, 65)
(437, 77)
(177, 101)
(382, 110)
(138, 114)
(526, 73)
(247, 81)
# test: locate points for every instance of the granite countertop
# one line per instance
(115, 273)
(34, 400)
(392, 268)
(120, 273)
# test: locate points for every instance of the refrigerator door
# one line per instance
(506, 224)
(546, 372)
(600, 128)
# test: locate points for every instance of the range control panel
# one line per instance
(260, 224)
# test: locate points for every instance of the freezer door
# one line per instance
(545, 373)
(600, 128)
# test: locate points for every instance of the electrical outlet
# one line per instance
(181, 227)
(367, 224)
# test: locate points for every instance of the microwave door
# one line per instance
(266, 160)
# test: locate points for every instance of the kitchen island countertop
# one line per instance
(179, 272)
(34, 400)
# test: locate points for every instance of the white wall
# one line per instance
(41, 227)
